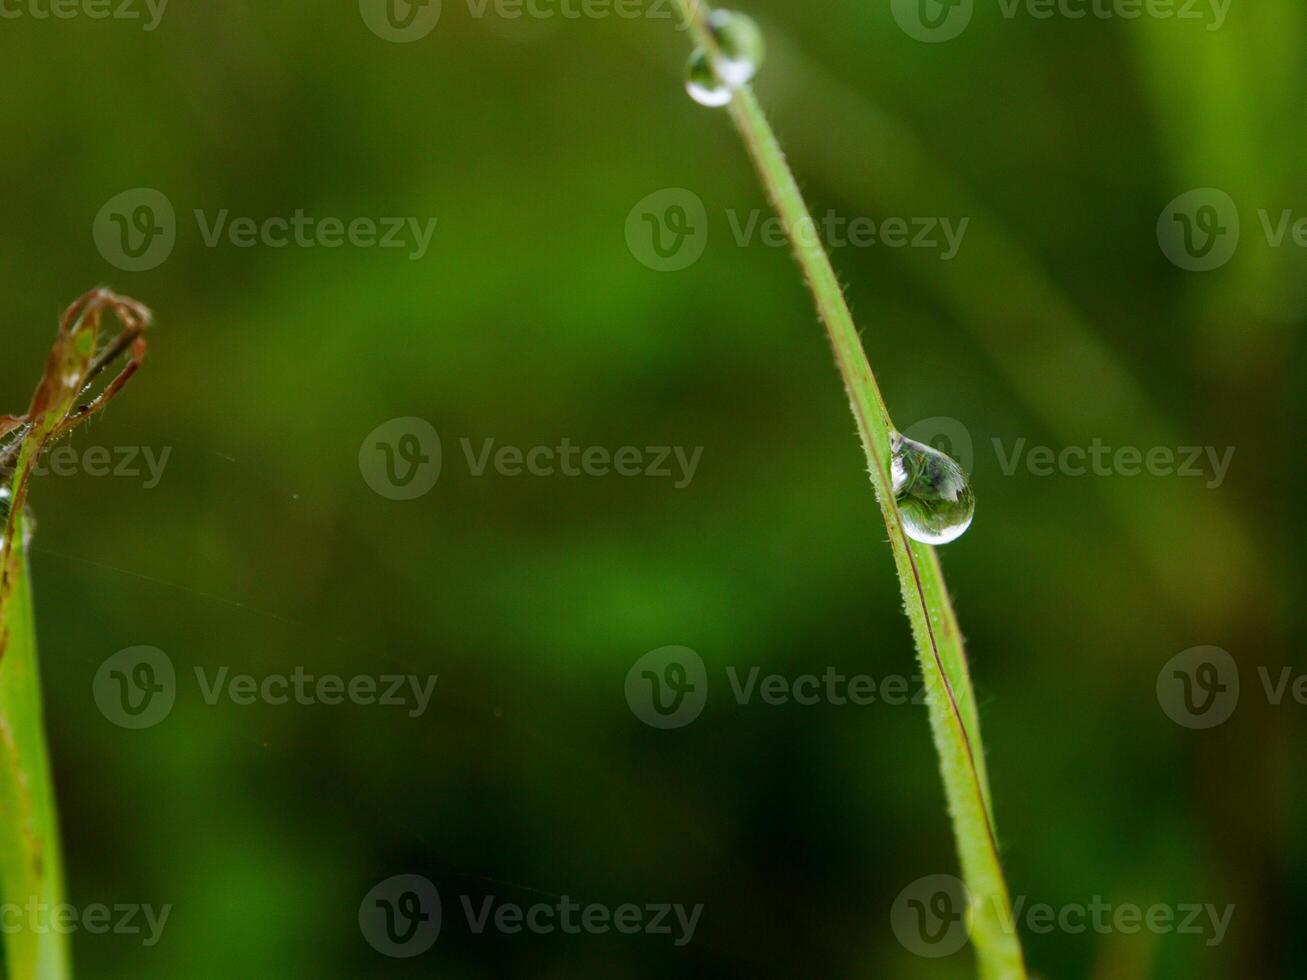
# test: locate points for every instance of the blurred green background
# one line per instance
(532, 319)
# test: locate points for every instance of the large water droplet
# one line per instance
(703, 83)
(740, 46)
(932, 491)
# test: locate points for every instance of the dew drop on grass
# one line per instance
(932, 491)
(740, 46)
(713, 77)
(703, 83)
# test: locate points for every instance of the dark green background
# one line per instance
(1060, 321)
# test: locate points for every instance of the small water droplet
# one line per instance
(932, 491)
(703, 83)
(740, 46)
(713, 76)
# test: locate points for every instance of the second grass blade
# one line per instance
(953, 716)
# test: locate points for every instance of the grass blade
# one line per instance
(1037, 338)
(31, 868)
(953, 715)
(31, 865)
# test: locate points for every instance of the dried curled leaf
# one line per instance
(64, 398)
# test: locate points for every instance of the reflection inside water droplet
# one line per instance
(703, 83)
(740, 46)
(932, 492)
(713, 76)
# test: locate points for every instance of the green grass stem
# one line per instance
(952, 706)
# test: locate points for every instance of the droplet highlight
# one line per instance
(740, 46)
(736, 54)
(932, 492)
(703, 83)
